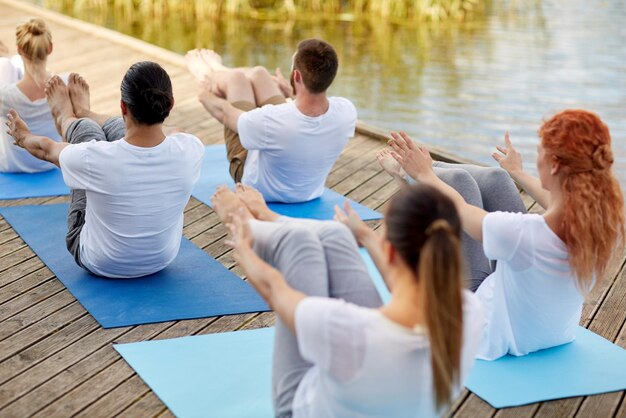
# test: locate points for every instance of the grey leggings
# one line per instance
(318, 258)
(85, 130)
(490, 188)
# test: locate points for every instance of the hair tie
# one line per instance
(438, 225)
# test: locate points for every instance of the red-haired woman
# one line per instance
(546, 264)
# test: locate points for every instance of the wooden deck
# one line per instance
(55, 360)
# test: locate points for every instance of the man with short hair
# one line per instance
(283, 149)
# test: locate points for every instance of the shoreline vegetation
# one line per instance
(342, 10)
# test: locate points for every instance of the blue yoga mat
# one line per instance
(224, 375)
(215, 173)
(194, 286)
(587, 366)
(220, 375)
(216, 375)
(23, 185)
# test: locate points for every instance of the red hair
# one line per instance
(593, 221)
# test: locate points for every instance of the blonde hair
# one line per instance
(593, 221)
(33, 38)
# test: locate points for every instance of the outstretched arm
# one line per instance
(417, 163)
(219, 108)
(268, 281)
(366, 237)
(511, 161)
(40, 146)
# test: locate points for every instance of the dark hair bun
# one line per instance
(157, 101)
(147, 92)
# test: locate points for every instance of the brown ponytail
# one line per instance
(33, 38)
(441, 273)
(424, 227)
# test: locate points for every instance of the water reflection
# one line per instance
(459, 85)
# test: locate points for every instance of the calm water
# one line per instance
(459, 86)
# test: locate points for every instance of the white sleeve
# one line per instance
(251, 128)
(502, 234)
(74, 163)
(330, 335)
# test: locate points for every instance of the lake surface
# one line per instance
(457, 85)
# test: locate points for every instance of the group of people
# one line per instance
(471, 275)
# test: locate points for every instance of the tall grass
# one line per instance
(412, 10)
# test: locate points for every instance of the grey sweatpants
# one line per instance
(318, 258)
(84, 130)
(490, 188)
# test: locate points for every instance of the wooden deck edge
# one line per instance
(98, 31)
(438, 154)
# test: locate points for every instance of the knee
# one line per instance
(259, 74)
(457, 178)
(463, 183)
(335, 232)
(497, 176)
(299, 240)
(237, 76)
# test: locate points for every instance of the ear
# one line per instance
(51, 48)
(297, 76)
(555, 166)
(123, 108)
(389, 252)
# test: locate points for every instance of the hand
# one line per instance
(260, 274)
(415, 160)
(283, 83)
(17, 128)
(208, 89)
(351, 219)
(512, 160)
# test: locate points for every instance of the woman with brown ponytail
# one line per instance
(545, 264)
(28, 97)
(338, 352)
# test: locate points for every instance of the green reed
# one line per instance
(411, 10)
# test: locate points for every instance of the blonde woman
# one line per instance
(27, 96)
(338, 351)
(546, 264)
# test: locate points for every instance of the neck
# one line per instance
(311, 104)
(34, 82)
(554, 212)
(145, 136)
(405, 307)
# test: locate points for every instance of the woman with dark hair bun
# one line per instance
(130, 180)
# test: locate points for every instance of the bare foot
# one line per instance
(224, 202)
(17, 128)
(389, 164)
(254, 201)
(196, 64)
(79, 95)
(213, 60)
(59, 102)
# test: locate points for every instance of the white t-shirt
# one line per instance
(37, 116)
(365, 365)
(290, 154)
(135, 201)
(531, 300)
